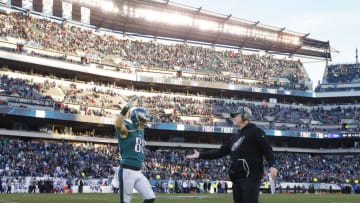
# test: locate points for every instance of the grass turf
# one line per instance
(174, 198)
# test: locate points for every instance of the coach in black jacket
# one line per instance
(247, 150)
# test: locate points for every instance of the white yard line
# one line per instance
(7, 201)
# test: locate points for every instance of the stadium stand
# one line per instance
(340, 77)
(68, 159)
(96, 100)
(343, 73)
(21, 158)
(106, 49)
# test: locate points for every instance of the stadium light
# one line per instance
(105, 5)
(178, 18)
(170, 18)
(208, 25)
(260, 34)
(160, 17)
(150, 15)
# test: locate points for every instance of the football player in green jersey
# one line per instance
(131, 141)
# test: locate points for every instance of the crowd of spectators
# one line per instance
(303, 167)
(38, 159)
(339, 77)
(293, 167)
(25, 88)
(343, 73)
(94, 100)
(172, 164)
(44, 184)
(108, 49)
(25, 158)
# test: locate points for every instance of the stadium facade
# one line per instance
(63, 81)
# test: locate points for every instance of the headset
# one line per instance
(245, 113)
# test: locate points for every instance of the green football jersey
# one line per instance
(132, 148)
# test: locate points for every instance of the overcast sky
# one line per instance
(333, 20)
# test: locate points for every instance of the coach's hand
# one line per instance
(273, 172)
(193, 156)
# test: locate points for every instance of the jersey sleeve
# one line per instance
(264, 143)
(127, 124)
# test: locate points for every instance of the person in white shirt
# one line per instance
(272, 183)
(185, 186)
(115, 181)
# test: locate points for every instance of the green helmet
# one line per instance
(139, 115)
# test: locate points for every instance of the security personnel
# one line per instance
(131, 141)
(247, 150)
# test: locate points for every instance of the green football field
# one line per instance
(97, 198)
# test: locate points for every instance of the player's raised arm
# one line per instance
(119, 123)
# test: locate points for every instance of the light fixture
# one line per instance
(107, 6)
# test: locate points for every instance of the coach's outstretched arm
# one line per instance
(119, 123)
(213, 154)
(193, 156)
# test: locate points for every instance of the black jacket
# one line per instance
(247, 150)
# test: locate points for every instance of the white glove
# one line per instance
(129, 105)
(132, 102)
